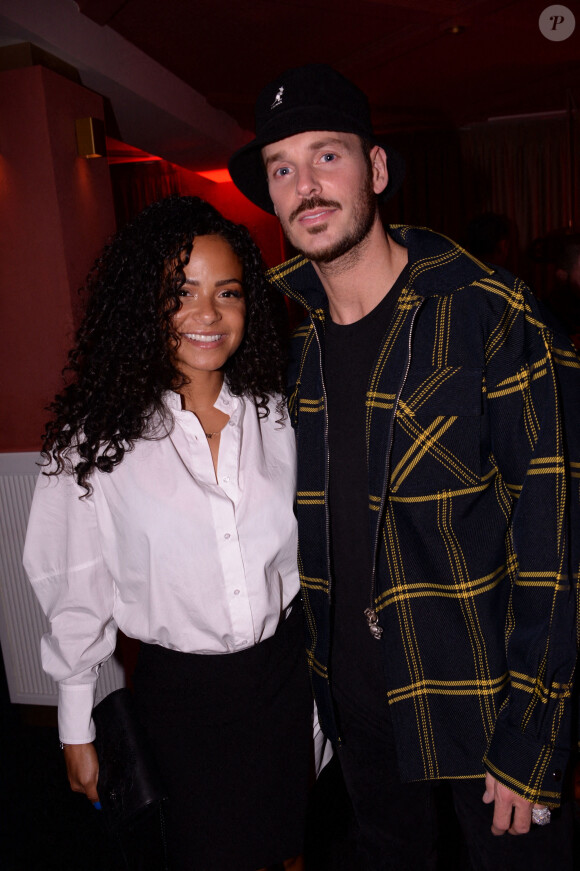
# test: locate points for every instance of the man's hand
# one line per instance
(512, 813)
(82, 768)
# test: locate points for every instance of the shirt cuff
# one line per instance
(75, 706)
(526, 765)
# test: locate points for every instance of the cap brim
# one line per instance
(247, 170)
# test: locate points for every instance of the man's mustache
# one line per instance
(313, 203)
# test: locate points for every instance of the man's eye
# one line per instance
(328, 157)
(283, 170)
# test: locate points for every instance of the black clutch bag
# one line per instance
(129, 784)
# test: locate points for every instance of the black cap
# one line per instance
(312, 97)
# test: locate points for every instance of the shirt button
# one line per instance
(236, 592)
(226, 401)
(226, 479)
(227, 535)
(557, 775)
(231, 423)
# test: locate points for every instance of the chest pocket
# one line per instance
(438, 431)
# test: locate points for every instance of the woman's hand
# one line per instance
(82, 767)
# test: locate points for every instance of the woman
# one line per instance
(167, 512)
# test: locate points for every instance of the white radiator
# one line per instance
(22, 622)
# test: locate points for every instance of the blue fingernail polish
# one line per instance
(97, 805)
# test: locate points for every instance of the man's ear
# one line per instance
(380, 172)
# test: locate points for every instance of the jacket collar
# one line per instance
(437, 266)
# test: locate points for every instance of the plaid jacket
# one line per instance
(473, 446)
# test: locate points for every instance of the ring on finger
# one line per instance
(541, 816)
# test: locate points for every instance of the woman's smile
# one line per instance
(212, 318)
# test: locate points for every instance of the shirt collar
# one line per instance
(226, 401)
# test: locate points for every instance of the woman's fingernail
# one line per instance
(97, 805)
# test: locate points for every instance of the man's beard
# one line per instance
(363, 220)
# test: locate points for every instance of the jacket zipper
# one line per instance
(327, 454)
(370, 613)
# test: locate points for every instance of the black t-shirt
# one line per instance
(356, 657)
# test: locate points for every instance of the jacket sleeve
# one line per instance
(533, 392)
(63, 560)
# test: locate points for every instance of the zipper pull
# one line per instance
(373, 623)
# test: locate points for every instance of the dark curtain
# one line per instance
(135, 185)
(431, 195)
(524, 169)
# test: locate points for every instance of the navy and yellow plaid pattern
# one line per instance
(473, 447)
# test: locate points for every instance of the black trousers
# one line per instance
(397, 822)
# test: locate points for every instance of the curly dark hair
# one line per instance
(124, 357)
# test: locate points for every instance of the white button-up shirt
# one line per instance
(164, 551)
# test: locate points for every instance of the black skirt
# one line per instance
(232, 734)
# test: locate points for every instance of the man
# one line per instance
(564, 299)
(489, 238)
(434, 497)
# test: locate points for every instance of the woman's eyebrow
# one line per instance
(219, 283)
